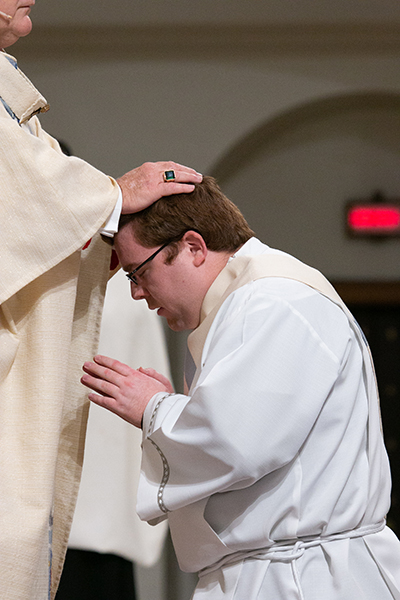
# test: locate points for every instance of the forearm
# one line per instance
(52, 206)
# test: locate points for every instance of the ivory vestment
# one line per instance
(51, 295)
(272, 470)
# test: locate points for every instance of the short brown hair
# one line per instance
(205, 210)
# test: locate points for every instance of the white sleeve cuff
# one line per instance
(156, 410)
(111, 226)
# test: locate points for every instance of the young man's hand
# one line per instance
(121, 389)
(161, 378)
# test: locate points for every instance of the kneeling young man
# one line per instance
(271, 468)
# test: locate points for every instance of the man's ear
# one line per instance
(196, 246)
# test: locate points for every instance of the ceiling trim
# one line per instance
(207, 40)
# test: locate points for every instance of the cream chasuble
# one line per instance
(51, 294)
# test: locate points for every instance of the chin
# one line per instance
(22, 26)
(25, 27)
(178, 325)
(175, 326)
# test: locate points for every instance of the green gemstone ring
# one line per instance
(169, 176)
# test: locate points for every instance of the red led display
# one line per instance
(373, 219)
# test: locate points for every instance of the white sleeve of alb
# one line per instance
(111, 226)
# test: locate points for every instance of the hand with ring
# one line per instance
(149, 182)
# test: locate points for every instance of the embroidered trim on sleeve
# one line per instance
(166, 469)
(164, 480)
(154, 413)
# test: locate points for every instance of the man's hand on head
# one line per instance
(121, 389)
(146, 184)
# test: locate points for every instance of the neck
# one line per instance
(216, 263)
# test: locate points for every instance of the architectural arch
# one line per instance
(292, 175)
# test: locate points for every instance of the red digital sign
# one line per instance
(378, 218)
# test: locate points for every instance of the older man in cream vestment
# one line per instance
(51, 297)
(51, 292)
(271, 468)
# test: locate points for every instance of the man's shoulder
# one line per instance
(17, 91)
(279, 303)
(277, 288)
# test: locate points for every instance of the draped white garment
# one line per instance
(265, 469)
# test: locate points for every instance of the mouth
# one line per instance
(161, 311)
(156, 307)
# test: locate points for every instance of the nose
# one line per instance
(137, 291)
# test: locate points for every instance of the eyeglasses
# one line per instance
(131, 275)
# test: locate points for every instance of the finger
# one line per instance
(93, 370)
(101, 400)
(154, 375)
(113, 406)
(177, 188)
(113, 364)
(100, 372)
(174, 166)
(149, 372)
(158, 377)
(182, 177)
(105, 402)
(105, 388)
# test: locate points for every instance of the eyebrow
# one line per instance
(131, 267)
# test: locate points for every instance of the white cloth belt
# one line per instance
(291, 552)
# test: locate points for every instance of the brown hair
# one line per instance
(205, 210)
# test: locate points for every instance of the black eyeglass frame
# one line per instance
(131, 275)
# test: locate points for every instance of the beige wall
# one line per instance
(337, 135)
